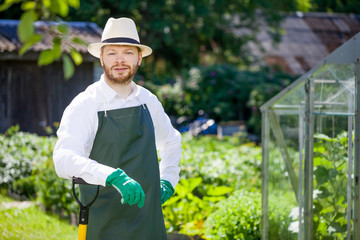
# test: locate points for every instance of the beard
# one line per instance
(124, 78)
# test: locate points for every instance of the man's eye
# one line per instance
(129, 53)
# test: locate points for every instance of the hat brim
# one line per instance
(95, 48)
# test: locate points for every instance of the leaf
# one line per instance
(25, 6)
(68, 67)
(79, 41)
(63, 28)
(60, 7)
(191, 183)
(46, 57)
(26, 26)
(218, 191)
(321, 174)
(33, 40)
(74, 3)
(76, 56)
(7, 4)
(324, 137)
(56, 48)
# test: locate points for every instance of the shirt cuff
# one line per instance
(103, 172)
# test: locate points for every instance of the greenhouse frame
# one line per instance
(311, 152)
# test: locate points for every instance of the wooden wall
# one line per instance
(35, 97)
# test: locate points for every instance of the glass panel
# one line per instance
(283, 176)
(292, 101)
(330, 177)
(334, 89)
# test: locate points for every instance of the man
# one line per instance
(109, 136)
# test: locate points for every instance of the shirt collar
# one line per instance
(110, 94)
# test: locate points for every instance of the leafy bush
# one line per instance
(237, 217)
(19, 155)
(221, 162)
(28, 170)
(222, 91)
(53, 192)
(211, 170)
(281, 214)
(186, 210)
(330, 188)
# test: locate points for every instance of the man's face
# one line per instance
(120, 63)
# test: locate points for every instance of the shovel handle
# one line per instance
(84, 210)
(79, 181)
(82, 232)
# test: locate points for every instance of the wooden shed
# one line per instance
(35, 97)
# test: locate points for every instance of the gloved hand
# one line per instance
(167, 190)
(129, 189)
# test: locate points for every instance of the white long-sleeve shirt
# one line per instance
(79, 125)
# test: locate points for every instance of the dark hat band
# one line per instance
(120, 40)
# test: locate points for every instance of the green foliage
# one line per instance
(211, 170)
(267, 86)
(19, 154)
(28, 170)
(54, 193)
(223, 92)
(187, 33)
(344, 6)
(46, 11)
(31, 223)
(330, 163)
(238, 217)
(221, 162)
(186, 210)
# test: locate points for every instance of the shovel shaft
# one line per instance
(84, 210)
(82, 232)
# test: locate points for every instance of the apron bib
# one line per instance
(125, 139)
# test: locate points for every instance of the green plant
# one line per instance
(19, 154)
(211, 170)
(282, 211)
(330, 187)
(221, 162)
(186, 210)
(237, 217)
(32, 11)
(222, 91)
(53, 192)
(28, 171)
(31, 223)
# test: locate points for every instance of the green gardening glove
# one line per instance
(129, 189)
(167, 190)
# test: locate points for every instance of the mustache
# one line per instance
(120, 66)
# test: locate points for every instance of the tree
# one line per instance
(186, 33)
(53, 10)
(341, 6)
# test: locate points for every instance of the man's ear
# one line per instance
(140, 58)
(101, 60)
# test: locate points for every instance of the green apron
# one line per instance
(125, 139)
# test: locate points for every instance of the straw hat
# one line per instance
(120, 31)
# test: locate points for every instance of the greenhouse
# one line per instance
(311, 152)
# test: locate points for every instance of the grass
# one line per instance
(32, 223)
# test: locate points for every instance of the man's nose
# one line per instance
(120, 58)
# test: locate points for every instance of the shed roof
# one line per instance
(308, 38)
(9, 41)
